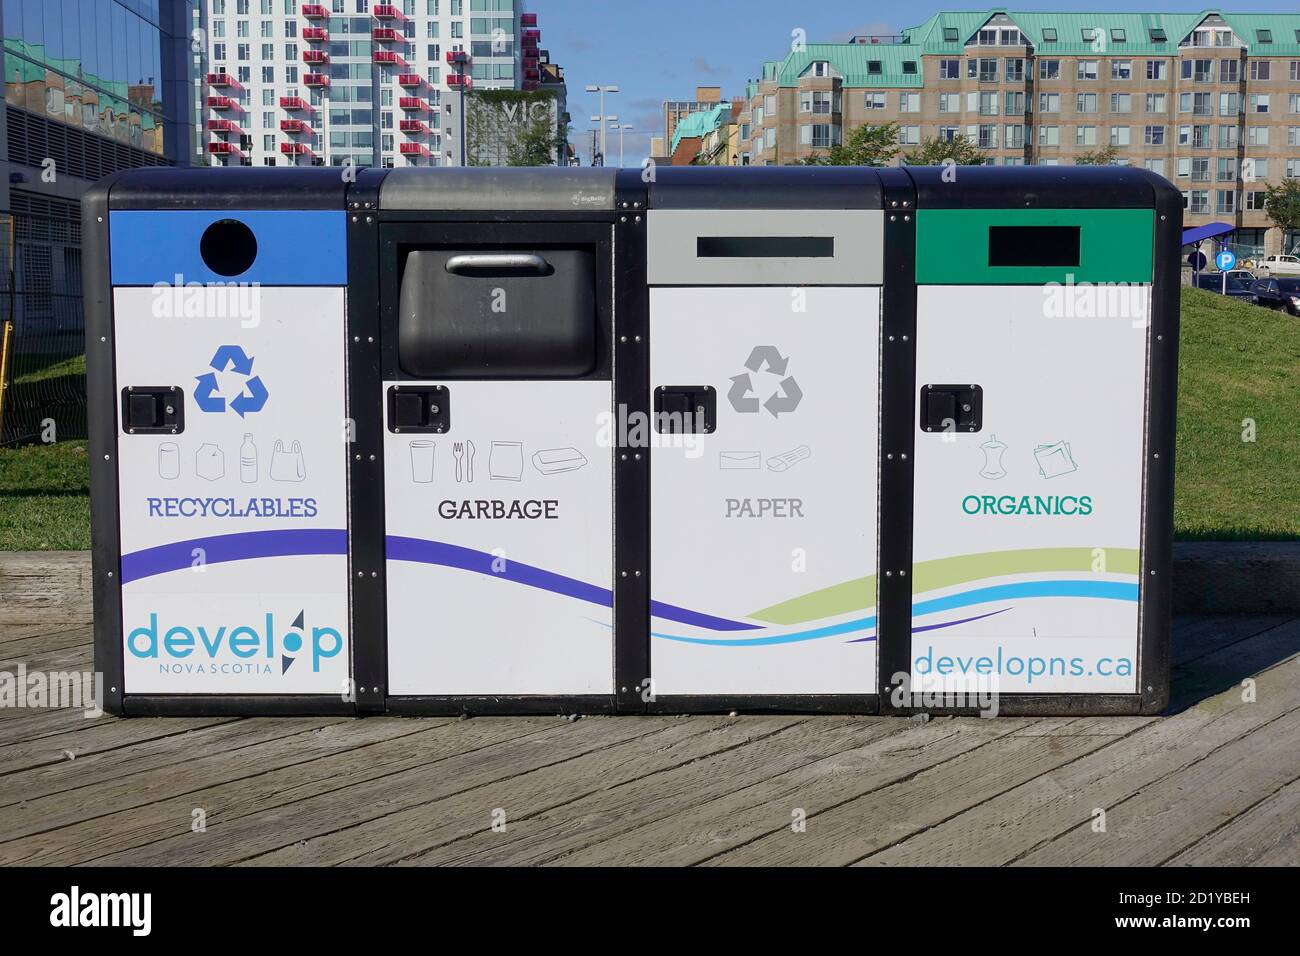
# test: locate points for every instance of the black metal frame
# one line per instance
(620, 237)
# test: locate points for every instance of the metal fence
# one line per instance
(42, 325)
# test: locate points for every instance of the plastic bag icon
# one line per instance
(288, 465)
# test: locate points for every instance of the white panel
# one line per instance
(771, 507)
(501, 585)
(274, 478)
(1057, 465)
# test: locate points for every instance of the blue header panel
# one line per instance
(294, 247)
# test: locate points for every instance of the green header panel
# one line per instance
(1033, 246)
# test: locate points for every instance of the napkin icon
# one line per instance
(1055, 460)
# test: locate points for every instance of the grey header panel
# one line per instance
(766, 247)
(766, 187)
(499, 188)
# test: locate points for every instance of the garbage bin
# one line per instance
(539, 440)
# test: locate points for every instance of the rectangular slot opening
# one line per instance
(1034, 245)
(765, 247)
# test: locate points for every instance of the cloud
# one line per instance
(701, 65)
(579, 45)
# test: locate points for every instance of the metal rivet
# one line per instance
(372, 457)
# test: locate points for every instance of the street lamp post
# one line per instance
(602, 119)
(621, 130)
(600, 122)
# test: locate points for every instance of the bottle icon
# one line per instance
(248, 460)
(993, 452)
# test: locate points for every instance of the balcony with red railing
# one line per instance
(532, 75)
(532, 34)
(457, 57)
(390, 58)
(225, 126)
(412, 103)
(315, 11)
(414, 149)
(224, 103)
(531, 61)
(385, 35)
(316, 79)
(411, 80)
(315, 34)
(296, 149)
(224, 149)
(528, 19)
(297, 126)
(294, 103)
(457, 80)
(224, 80)
(388, 11)
(315, 56)
(413, 127)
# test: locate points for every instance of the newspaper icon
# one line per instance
(1055, 460)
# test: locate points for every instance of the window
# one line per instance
(1117, 35)
(1199, 201)
(1229, 104)
(1199, 71)
(1015, 103)
(1229, 71)
(1254, 170)
(1254, 200)
(1121, 69)
(909, 66)
(1156, 103)
(1157, 35)
(1154, 136)
(1293, 169)
(948, 134)
(949, 102)
(1049, 34)
(950, 69)
(874, 67)
(1293, 102)
(1259, 102)
(822, 68)
(1293, 136)
(1015, 69)
(1085, 136)
(909, 135)
(1226, 169)
(909, 102)
(1156, 166)
(1121, 102)
(1259, 69)
(1087, 69)
(1085, 102)
(1119, 135)
(950, 35)
(819, 135)
(816, 102)
(872, 101)
(1295, 64)
(1089, 34)
(1264, 36)
(1049, 69)
(985, 68)
(988, 104)
(1157, 69)
(1014, 135)
(1225, 201)
(1049, 136)
(1198, 103)
(988, 137)
(1049, 102)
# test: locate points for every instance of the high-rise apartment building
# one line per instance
(1209, 100)
(355, 81)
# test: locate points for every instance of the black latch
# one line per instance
(150, 410)
(686, 409)
(952, 408)
(419, 409)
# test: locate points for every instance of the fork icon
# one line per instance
(458, 450)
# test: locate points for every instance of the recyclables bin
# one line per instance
(505, 440)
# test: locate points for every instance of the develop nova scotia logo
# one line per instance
(76, 909)
(223, 649)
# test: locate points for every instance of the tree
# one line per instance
(1282, 203)
(864, 146)
(513, 128)
(961, 150)
(1103, 156)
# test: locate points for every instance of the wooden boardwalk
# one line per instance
(1217, 781)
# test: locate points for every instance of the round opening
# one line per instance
(228, 247)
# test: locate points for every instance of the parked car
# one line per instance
(1280, 266)
(1244, 276)
(1278, 293)
(1214, 282)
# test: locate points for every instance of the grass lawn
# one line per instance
(1237, 362)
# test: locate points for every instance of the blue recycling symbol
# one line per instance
(207, 394)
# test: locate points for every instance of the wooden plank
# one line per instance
(161, 830)
(1268, 834)
(756, 810)
(14, 638)
(465, 811)
(1006, 827)
(279, 749)
(265, 811)
(536, 838)
(45, 587)
(1227, 668)
(1198, 636)
(96, 737)
(1157, 823)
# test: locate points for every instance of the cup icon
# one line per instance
(422, 462)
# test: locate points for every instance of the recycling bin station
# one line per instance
(805, 439)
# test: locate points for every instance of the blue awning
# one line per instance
(1199, 233)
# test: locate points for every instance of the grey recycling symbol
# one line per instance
(784, 399)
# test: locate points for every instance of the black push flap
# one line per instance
(498, 313)
(686, 409)
(419, 409)
(952, 408)
(153, 410)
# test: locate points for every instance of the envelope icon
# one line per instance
(740, 460)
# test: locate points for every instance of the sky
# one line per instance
(661, 50)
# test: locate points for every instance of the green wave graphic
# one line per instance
(860, 594)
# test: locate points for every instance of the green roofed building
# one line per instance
(1209, 99)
